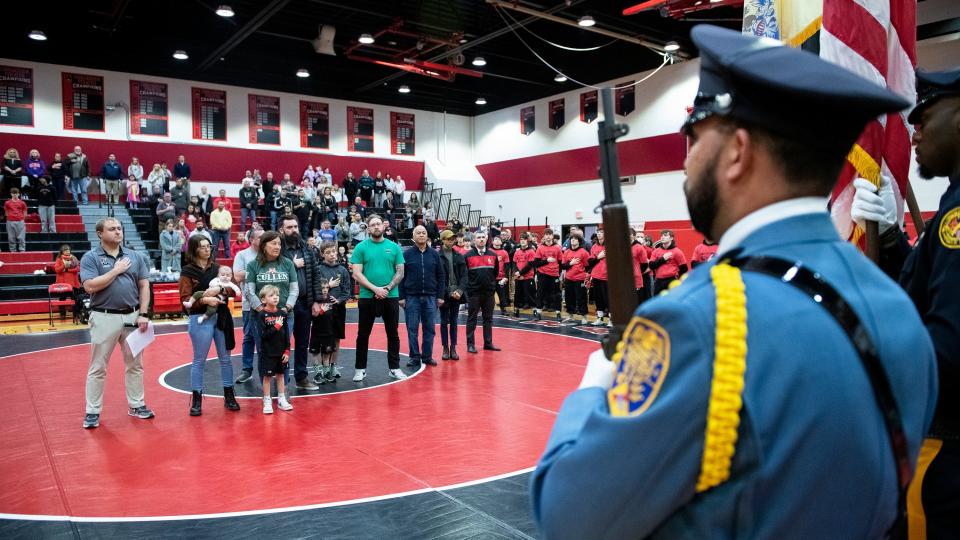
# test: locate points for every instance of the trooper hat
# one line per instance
(790, 92)
(931, 86)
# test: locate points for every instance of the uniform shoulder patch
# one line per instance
(950, 229)
(641, 369)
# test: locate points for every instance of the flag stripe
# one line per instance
(857, 28)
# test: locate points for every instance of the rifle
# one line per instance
(620, 281)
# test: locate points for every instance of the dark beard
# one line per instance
(377, 234)
(292, 240)
(926, 172)
(702, 202)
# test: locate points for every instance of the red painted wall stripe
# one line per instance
(660, 153)
(213, 163)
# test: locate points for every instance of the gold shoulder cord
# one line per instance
(726, 388)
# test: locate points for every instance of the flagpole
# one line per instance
(873, 241)
(914, 209)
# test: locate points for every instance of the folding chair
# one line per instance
(58, 289)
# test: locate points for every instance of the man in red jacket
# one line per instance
(667, 261)
(482, 270)
(547, 262)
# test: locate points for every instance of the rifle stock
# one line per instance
(620, 280)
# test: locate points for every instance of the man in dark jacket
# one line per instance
(308, 279)
(421, 293)
(433, 232)
(482, 269)
(455, 272)
(111, 172)
(248, 204)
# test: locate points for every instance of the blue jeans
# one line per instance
(200, 337)
(421, 309)
(448, 321)
(300, 319)
(244, 212)
(218, 237)
(78, 187)
(273, 220)
(250, 339)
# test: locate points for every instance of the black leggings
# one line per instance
(600, 296)
(576, 296)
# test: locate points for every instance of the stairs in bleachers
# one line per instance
(92, 214)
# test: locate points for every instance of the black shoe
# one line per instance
(471, 349)
(245, 376)
(229, 399)
(453, 354)
(516, 313)
(536, 315)
(413, 362)
(91, 421)
(559, 318)
(490, 348)
(196, 402)
(446, 354)
(430, 362)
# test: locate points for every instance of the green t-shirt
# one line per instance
(380, 261)
(279, 273)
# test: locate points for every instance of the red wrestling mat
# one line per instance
(488, 414)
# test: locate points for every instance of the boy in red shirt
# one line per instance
(704, 251)
(667, 261)
(524, 286)
(597, 266)
(501, 286)
(16, 210)
(639, 255)
(574, 261)
(547, 262)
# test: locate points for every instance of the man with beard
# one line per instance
(929, 275)
(747, 408)
(378, 268)
(308, 281)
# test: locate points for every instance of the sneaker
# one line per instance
(336, 370)
(397, 374)
(245, 376)
(360, 375)
(305, 384)
(141, 412)
(559, 318)
(328, 374)
(267, 406)
(91, 421)
(318, 377)
(584, 321)
(598, 321)
(283, 404)
(536, 314)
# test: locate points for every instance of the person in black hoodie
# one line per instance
(248, 204)
(482, 270)
(47, 205)
(455, 272)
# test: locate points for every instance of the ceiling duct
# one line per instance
(324, 42)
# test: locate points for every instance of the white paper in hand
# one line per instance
(138, 341)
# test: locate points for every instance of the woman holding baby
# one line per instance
(201, 274)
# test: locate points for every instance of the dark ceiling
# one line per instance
(266, 42)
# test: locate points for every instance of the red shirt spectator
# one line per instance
(67, 268)
(671, 266)
(544, 252)
(639, 263)
(504, 258)
(522, 258)
(227, 203)
(15, 209)
(599, 270)
(703, 253)
(576, 271)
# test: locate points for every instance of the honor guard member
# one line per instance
(930, 274)
(737, 405)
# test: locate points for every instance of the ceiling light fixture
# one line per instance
(404, 89)
(560, 77)
(671, 46)
(366, 39)
(479, 61)
(224, 10)
(302, 73)
(463, 40)
(180, 54)
(37, 35)
(586, 20)
(480, 101)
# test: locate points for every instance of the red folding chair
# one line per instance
(59, 289)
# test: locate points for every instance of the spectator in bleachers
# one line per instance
(325, 233)
(181, 169)
(248, 203)
(379, 190)
(12, 171)
(58, 174)
(180, 196)
(221, 223)
(167, 176)
(47, 206)
(267, 185)
(34, 168)
(309, 191)
(205, 201)
(247, 177)
(166, 210)
(227, 203)
(192, 216)
(185, 234)
(201, 229)
(350, 187)
(288, 183)
(240, 243)
(135, 169)
(157, 179)
(413, 210)
(328, 205)
(428, 212)
(67, 268)
(366, 187)
(133, 192)
(343, 232)
(303, 209)
(257, 178)
(16, 210)
(202, 269)
(111, 171)
(171, 246)
(399, 190)
(358, 230)
(359, 207)
(389, 192)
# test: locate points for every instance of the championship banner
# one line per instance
(626, 98)
(402, 134)
(528, 120)
(359, 129)
(16, 96)
(557, 116)
(264, 124)
(209, 114)
(148, 108)
(588, 106)
(83, 102)
(314, 124)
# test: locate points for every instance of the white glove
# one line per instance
(871, 205)
(599, 372)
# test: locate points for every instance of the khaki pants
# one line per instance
(106, 331)
(113, 191)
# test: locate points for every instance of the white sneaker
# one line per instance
(283, 404)
(598, 321)
(360, 375)
(267, 406)
(397, 374)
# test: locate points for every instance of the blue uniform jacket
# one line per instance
(812, 456)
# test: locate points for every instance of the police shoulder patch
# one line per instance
(642, 367)
(950, 229)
